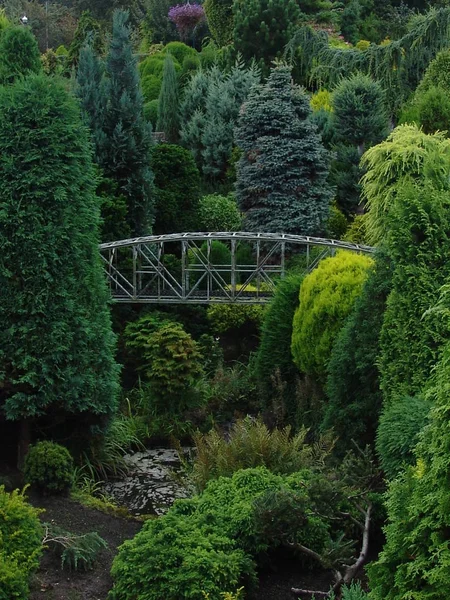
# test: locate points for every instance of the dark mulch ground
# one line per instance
(53, 583)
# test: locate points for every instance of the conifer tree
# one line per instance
(281, 175)
(168, 102)
(219, 14)
(56, 347)
(124, 150)
(262, 28)
(19, 54)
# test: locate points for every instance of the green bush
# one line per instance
(20, 544)
(175, 558)
(49, 467)
(327, 296)
(337, 223)
(151, 86)
(353, 387)
(398, 433)
(174, 366)
(219, 213)
(433, 110)
(180, 51)
(274, 358)
(177, 182)
(151, 112)
(226, 318)
(356, 231)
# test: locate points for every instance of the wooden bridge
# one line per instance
(194, 268)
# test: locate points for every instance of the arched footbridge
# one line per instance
(193, 268)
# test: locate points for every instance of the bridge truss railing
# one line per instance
(183, 267)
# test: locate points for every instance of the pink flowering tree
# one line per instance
(186, 17)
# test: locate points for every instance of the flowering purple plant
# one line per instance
(186, 17)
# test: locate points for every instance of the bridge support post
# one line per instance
(135, 252)
(233, 269)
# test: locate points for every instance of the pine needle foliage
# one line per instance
(399, 65)
(408, 152)
(57, 346)
(251, 444)
(125, 142)
(281, 174)
(168, 102)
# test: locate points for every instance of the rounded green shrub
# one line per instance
(180, 51)
(231, 317)
(49, 467)
(219, 213)
(433, 110)
(151, 86)
(398, 432)
(20, 544)
(337, 223)
(327, 296)
(151, 112)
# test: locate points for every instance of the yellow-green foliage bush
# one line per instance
(228, 317)
(327, 296)
(321, 100)
(20, 544)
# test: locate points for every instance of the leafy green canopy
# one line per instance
(56, 347)
(19, 54)
(414, 561)
(353, 391)
(407, 154)
(398, 65)
(418, 243)
(327, 296)
(281, 174)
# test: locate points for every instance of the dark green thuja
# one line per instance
(281, 174)
(418, 244)
(414, 561)
(57, 346)
(19, 54)
(353, 387)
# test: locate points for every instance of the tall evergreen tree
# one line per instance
(57, 346)
(281, 175)
(89, 89)
(168, 102)
(125, 146)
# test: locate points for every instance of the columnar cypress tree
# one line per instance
(219, 14)
(56, 347)
(168, 102)
(124, 151)
(281, 175)
(89, 89)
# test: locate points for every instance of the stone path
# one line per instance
(150, 487)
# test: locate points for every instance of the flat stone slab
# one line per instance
(151, 486)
